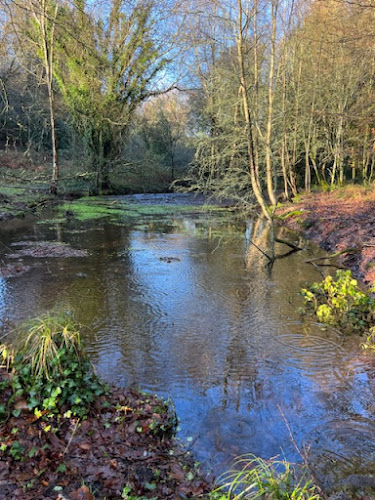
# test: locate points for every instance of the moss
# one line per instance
(12, 190)
(292, 213)
(57, 220)
(94, 208)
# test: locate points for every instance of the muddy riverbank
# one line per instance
(338, 221)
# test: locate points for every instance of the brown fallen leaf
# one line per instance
(177, 473)
(21, 405)
(83, 493)
(85, 446)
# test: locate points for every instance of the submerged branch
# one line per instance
(261, 251)
(334, 255)
(289, 244)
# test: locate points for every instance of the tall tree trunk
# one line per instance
(255, 184)
(41, 15)
(256, 87)
(269, 171)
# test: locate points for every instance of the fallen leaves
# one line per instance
(105, 452)
(339, 223)
(45, 249)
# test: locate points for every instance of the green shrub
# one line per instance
(254, 478)
(340, 302)
(50, 369)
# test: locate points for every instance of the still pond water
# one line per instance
(178, 302)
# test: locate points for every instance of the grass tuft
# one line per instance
(46, 336)
(254, 478)
(49, 368)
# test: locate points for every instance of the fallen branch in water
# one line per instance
(333, 256)
(261, 251)
(289, 244)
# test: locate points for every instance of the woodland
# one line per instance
(251, 101)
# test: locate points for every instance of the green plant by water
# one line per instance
(49, 369)
(254, 478)
(340, 302)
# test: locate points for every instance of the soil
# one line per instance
(126, 442)
(338, 221)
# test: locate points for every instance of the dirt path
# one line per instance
(338, 221)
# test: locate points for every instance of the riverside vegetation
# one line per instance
(343, 304)
(62, 426)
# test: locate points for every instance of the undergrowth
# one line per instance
(254, 478)
(340, 302)
(49, 370)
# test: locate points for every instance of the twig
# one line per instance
(333, 256)
(337, 266)
(6, 247)
(283, 255)
(318, 269)
(261, 251)
(71, 437)
(218, 245)
(301, 454)
(188, 448)
(289, 244)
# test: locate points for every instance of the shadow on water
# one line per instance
(185, 306)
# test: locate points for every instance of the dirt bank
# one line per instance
(337, 221)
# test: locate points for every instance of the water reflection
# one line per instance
(186, 307)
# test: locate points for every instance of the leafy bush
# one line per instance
(50, 369)
(255, 478)
(340, 302)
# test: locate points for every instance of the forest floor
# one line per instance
(342, 220)
(24, 184)
(25, 181)
(125, 449)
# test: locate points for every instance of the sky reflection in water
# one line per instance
(185, 307)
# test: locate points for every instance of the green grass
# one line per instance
(45, 336)
(254, 478)
(292, 213)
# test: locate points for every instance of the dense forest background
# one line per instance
(247, 100)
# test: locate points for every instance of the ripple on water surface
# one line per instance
(174, 309)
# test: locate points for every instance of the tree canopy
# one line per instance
(272, 96)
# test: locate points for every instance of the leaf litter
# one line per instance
(127, 441)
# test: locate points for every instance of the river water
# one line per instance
(183, 305)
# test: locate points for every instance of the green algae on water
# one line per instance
(94, 208)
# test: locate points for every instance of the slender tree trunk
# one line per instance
(256, 87)
(284, 131)
(42, 17)
(269, 170)
(307, 172)
(365, 153)
(245, 103)
(296, 116)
